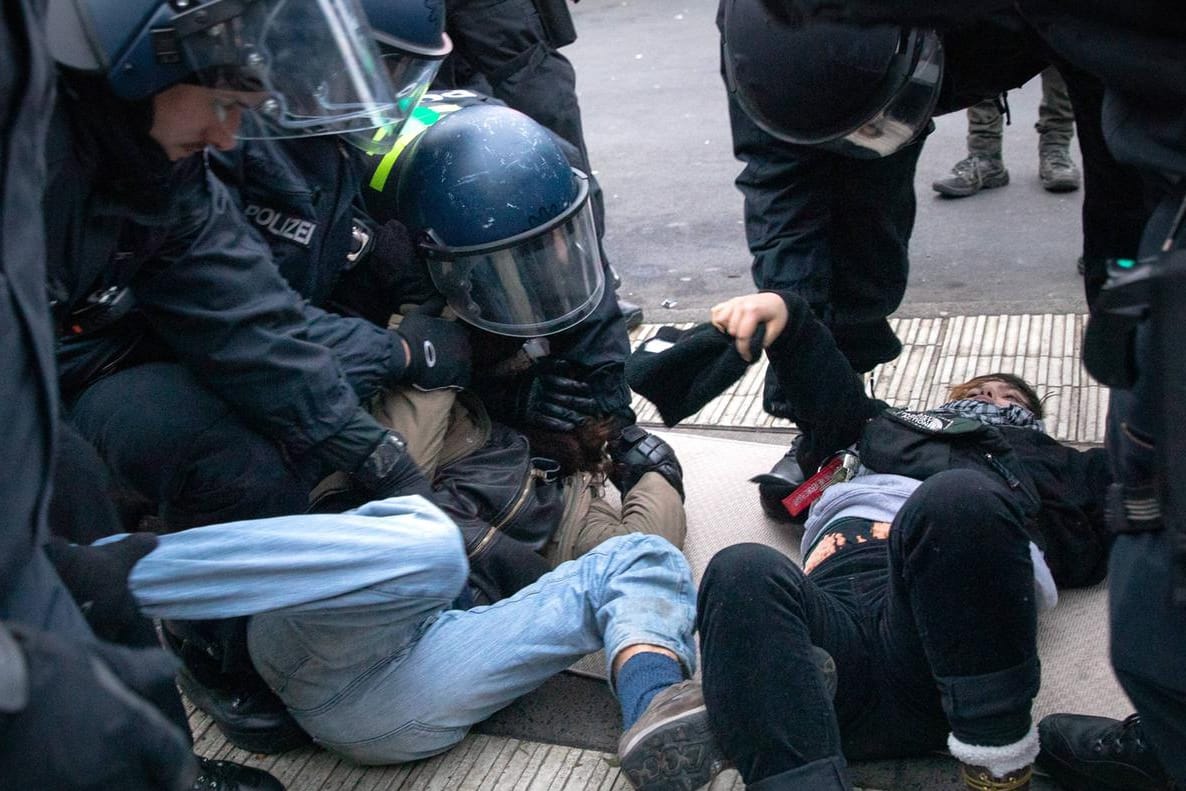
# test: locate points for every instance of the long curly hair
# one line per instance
(582, 450)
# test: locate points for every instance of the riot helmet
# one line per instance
(312, 61)
(860, 91)
(412, 42)
(503, 220)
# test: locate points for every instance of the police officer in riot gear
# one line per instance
(213, 390)
(1138, 52)
(152, 111)
(514, 252)
(185, 359)
(511, 51)
(355, 268)
(64, 694)
(829, 184)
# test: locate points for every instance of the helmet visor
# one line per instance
(909, 110)
(541, 282)
(314, 60)
(411, 75)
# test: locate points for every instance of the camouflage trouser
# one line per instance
(1055, 126)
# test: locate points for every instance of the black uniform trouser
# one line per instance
(177, 444)
(934, 630)
(505, 50)
(1114, 205)
(1148, 628)
(506, 46)
(833, 229)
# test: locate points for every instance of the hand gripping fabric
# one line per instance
(680, 371)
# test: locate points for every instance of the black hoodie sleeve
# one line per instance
(829, 401)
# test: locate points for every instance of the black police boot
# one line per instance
(631, 312)
(242, 705)
(1087, 753)
(784, 477)
(247, 712)
(227, 776)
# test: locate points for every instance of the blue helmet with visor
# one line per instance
(503, 220)
(412, 43)
(313, 62)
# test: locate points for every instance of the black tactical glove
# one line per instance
(390, 472)
(98, 580)
(397, 264)
(83, 721)
(556, 403)
(439, 354)
(635, 452)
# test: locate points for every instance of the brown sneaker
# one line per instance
(971, 175)
(977, 778)
(671, 747)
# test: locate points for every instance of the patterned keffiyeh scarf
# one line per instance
(994, 415)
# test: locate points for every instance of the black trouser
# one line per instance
(932, 631)
(174, 442)
(833, 229)
(505, 50)
(81, 508)
(1148, 628)
(1114, 203)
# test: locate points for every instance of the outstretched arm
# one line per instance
(827, 394)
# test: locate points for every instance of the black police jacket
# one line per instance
(1136, 49)
(301, 196)
(191, 281)
(28, 391)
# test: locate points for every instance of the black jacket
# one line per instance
(200, 283)
(28, 392)
(1136, 49)
(302, 197)
(1070, 484)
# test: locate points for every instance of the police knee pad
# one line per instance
(636, 452)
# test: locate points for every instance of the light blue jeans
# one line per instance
(352, 625)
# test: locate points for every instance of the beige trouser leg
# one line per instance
(652, 507)
(421, 417)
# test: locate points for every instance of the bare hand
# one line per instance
(739, 317)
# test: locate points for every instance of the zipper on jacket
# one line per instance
(532, 475)
(1005, 472)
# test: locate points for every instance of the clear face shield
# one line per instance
(411, 74)
(908, 111)
(538, 283)
(314, 60)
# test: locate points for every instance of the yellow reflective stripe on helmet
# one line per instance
(422, 118)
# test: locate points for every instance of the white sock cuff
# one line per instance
(999, 760)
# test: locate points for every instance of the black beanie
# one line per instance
(680, 371)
